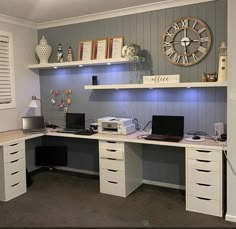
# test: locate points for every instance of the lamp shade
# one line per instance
(33, 103)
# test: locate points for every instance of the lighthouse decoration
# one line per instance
(222, 68)
(59, 54)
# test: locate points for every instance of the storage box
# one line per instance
(156, 79)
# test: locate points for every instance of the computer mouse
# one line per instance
(196, 137)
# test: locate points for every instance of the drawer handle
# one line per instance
(208, 185)
(15, 184)
(203, 170)
(203, 151)
(112, 159)
(14, 161)
(113, 182)
(110, 142)
(112, 170)
(203, 160)
(14, 152)
(201, 198)
(15, 144)
(15, 173)
(111, 150)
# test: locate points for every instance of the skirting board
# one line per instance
(78, 170)
(157, 183)
(162, 184)
(231, 218)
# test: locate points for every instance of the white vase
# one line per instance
(43, 51)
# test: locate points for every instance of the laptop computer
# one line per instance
(75, 122)
(167, 128)
(33, 124)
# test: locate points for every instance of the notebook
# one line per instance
(167, 128)
(75, 122)
(33, 124)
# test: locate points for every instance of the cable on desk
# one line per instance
(137, 125)
(146, 125)
(231, 166)
(142, 136)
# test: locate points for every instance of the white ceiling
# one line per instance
(43, 11)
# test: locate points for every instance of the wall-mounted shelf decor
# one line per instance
(151, 86)
(81, 63)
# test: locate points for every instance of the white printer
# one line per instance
(113, 125)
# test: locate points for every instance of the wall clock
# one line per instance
(186, 41)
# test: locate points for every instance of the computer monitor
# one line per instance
(33, 124)
(75, 121)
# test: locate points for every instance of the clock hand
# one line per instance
(179, 42)
(185, 50)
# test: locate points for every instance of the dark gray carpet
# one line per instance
(61, 199)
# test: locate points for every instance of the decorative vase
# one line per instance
(43, 51)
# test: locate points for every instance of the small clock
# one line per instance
(186, 41)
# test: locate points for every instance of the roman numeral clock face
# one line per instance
(186, 41)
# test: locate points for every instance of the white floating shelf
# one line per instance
(151, 86)
(80, 63)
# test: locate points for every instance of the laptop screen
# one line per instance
(33, 123)
(75, 121)
(168, 125)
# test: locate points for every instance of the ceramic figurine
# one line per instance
(59, 53)
(70, 55)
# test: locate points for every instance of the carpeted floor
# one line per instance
(62, 199)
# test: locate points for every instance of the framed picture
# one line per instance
(85, 50)
(115, 45)
(100, 49)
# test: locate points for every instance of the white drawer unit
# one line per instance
(12, 170)
(120, 167)
(204, 181)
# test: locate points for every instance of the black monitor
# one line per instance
(33, 124)
(75, 121)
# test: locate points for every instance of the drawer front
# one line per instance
(112, 188)
(203, 176)
(111, 153)
(13, 156)
(207, 206)
(112, 175)
(13, 191)
(204, 190)
(113, 145)
(14, 151)
(204, 154)
(14, 146)
(12, 179)
(113, 164)
(203, 164)
(12, 167)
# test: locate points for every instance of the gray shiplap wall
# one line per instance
(201, 107)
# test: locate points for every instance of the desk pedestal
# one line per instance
(12, 170)
(204, 181)
(120, 167)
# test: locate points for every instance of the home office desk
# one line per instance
(120, 164)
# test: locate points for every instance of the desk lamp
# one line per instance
(33, 103)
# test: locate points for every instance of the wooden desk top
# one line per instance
(134, 138)
(16, 135)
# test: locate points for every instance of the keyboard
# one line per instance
(69, 131)
(156, 137)
(84, 132)
(74, 131)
